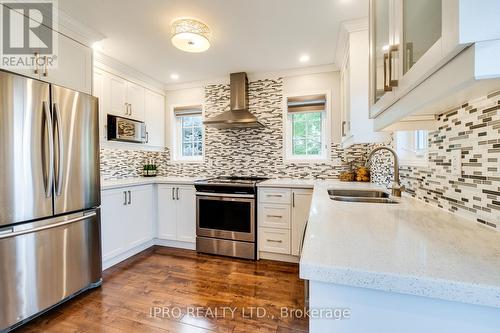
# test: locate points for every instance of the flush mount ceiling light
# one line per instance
(190, 35)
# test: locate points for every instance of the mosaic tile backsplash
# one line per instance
(473, 128)
(244, 152)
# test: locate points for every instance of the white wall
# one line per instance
(291, 84)
(188, 96)
(319, 82)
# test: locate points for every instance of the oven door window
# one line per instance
(217, 214)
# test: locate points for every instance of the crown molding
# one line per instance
(257, 76)
(111, 65)
(346, 28)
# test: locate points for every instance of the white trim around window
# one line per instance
(412, 148)
(326, 132)
(176, 135)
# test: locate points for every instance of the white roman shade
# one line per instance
(190, 110)
(310, 103)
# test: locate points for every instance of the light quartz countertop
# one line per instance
(288, 182)
(410, 248)
(118, 183)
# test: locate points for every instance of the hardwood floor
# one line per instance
(172, 290)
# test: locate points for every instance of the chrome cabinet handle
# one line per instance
(173, 193)
(177, 194)
(45, 71)
(293, 199)
(130, 105)
(275, 241)
(124, 198)
(343, 128)
(126, 109)
(392, 83)
(147, 137)
(60, 150)
(303, 237)
(276, 216)
(387, 87)
(275, 195)
(48, 123)
(129, 197)
(45, 227)
(36, 63)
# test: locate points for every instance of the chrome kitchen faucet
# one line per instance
(395, 187)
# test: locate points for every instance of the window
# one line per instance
(412, 147)
(188, 133)
(306, 129)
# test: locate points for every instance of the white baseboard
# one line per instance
(279, 257)
(156, 241)
(177, 244)
(127, 254)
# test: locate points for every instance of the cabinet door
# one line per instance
(155, 119)
(381, 38)
(186, 214)
(422, 27)
(16, 16)
(113, 207)
(135, 99)
(139, 217)
(167, 212)
(301, 203)
(74, 66)
(100, 90)
(118, 93)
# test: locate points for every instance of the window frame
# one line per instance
(408, 152)
(326, 134)
(176, 130)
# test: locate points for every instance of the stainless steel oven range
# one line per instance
(226, 210)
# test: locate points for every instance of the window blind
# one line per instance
(190, 110)
(311, 103)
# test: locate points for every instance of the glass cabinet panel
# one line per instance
(421, 29)
(380, 44)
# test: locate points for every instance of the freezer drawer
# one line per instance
(46, 262)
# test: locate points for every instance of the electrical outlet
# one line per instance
(456, 162)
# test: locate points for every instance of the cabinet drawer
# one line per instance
(275, 195)
(274, 216)
(274, 240)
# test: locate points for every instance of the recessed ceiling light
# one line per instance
(190, 35)
(304, 58)
(174, 76)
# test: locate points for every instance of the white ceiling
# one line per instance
(247, 35)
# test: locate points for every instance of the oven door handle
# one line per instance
(223, 195)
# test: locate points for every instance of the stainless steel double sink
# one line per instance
(361, 195)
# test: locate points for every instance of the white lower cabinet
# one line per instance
(281, 220)
(126, 219)
(177, 213)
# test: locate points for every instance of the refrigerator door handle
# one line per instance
(59, 150)
(48, 123)
(45, 227)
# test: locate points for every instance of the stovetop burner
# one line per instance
(231, 180)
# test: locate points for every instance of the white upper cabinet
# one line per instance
(429, 55)
(155, 119)
(124, 98)
(74, 68)
(135, 100)
(353, 54)
(74, 62)
(118, 96)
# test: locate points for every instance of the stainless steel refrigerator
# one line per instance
(50, 244)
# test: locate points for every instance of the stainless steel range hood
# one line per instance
(238, 116)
